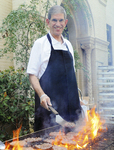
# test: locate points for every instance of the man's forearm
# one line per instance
(44, 99)
(36, 85)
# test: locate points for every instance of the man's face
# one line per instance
(57, 24)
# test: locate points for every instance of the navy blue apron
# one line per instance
(59, 83)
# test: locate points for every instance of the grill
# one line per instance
(104, 141)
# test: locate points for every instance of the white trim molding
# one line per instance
(103, 2)
(101, 44)
(86, 41)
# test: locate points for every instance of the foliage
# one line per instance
(24, 25)
(20, 29)
(15, 106)
(78, 64)
(77, 5)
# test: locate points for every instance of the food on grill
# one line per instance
(103, 129)
(70, 135)
(55, 147)
(68, 142)
(28, 148)
(53, 134)
(33, 140)
(48, 140)
(69, 125)
(45, 146)
(56, 134)
(21, 143)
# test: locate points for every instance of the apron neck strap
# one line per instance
(49, 38)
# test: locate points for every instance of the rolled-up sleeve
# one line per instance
(34, 60)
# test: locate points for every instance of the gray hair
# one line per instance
(56, 10)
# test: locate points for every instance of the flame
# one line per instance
(88, 133)
(15, 140)
(93, 127)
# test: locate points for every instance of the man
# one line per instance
(51, 73)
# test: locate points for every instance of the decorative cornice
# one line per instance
(86, 40)
(103, 2)
(91, 43)
(101, 42)
(87, 47)
(92, 40)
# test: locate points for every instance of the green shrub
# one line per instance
(16, 102)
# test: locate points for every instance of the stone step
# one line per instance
(106, 83)
(106, 108)
(106, 115)
(109, 122)
(106, 88)
(106, 94)
(106, 78)
(106, 73)
(106, 99)
(106, 67)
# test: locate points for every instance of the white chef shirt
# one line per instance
(40, 54)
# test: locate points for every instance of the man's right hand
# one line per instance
(45, 101)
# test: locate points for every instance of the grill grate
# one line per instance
(105, 141)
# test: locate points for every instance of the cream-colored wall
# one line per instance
(110, 21)
(16, 3)
(100, 51)
(98, 9)
(103, 13)
(99, 14)
(5, 9)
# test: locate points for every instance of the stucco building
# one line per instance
(93, 38)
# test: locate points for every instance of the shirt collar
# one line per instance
(54, 41)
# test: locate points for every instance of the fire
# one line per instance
(94, 122)
(93, 127)
(15, 140)
(88, 133)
